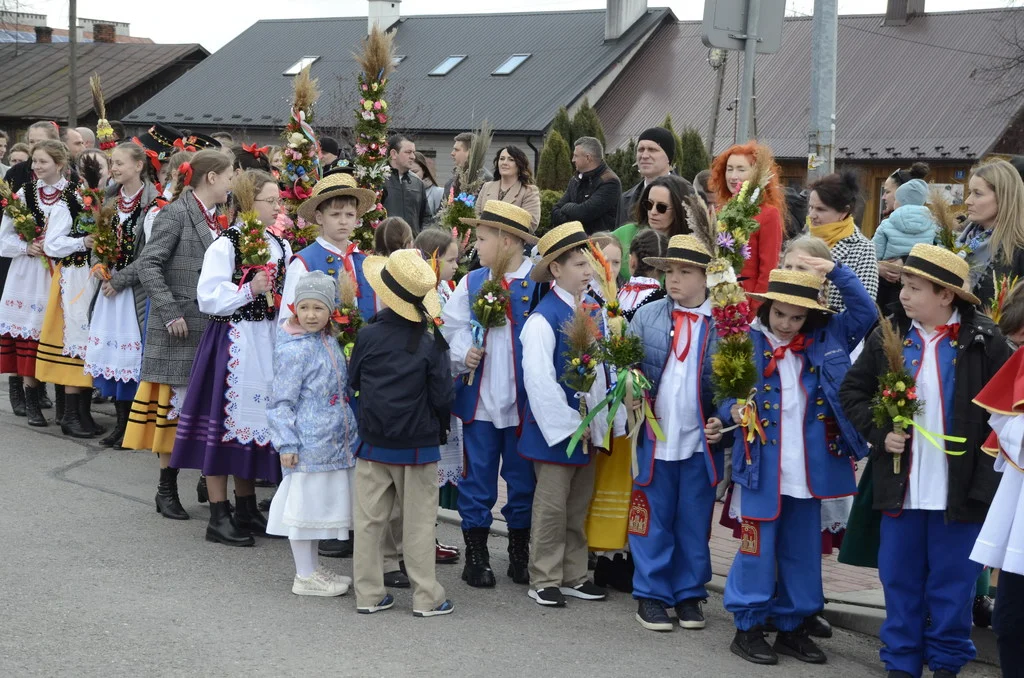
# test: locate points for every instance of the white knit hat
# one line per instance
(319, 286)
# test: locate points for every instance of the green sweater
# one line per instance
(625, 234)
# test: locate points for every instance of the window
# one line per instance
(511, 64)
(300, 64)
(446, 66)
(399, 58)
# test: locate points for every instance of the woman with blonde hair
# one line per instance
(994, 235)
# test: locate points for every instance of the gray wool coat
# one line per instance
(168, 270)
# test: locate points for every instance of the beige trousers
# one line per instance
(393, 539)
(379, 487)
(558, 539)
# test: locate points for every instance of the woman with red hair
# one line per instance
(749, 162)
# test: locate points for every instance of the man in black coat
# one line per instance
(592, 196)
(405, 195)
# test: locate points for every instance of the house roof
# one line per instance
(922, 85)
(242, 85)
(34, 85)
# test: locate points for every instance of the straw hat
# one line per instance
(506, 217)
(556, 242)
(942, 267)
(336, 185)
(405, 283)
(682, 249)
(794, 287)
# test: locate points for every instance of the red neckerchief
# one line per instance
(680, 318)
(799, 343)
(346, 261)
(952, 329)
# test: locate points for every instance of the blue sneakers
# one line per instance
(386, 603)
(444, 608)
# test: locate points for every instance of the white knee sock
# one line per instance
(304, 551)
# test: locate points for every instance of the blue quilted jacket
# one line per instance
(905, 227)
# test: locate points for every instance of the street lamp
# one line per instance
(716, 59)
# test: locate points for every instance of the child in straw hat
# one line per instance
(313, 429)
(558, 546)
(801, 352)
(934, 502)
(674, 480)
(490, 405)
(336, 205)
(400, 370)
(1000, 543)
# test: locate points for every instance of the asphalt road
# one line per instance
(95, 583)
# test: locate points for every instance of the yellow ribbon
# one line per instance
(931, 436)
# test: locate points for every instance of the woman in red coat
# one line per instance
(743, 163)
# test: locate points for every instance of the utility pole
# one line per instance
(749, 54)
(72, 62)
(824, 47)
(717, 59)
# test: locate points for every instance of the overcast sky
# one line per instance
(212, 23)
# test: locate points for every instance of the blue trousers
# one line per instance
(673, 561)
(925, 567)
(488, 447)
(777, 572)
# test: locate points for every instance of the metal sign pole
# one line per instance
(749, 54)
(824, 46)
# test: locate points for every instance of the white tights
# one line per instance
(304, 551)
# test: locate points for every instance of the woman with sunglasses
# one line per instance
(747, 162)
(660, 207)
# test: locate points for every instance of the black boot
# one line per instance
(222, 528)
(58, 400)
(519, 555)
(167, 503)
(798, 644)
(202, 494)
(477, 571)
(249, 518)
(85, 414)
(17, 386)
(116, 437)
(982, 612)
(44, 400)
(71, 424)
(817, 626)
(32, 409)
(752, 646)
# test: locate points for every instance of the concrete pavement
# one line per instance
(95, 583)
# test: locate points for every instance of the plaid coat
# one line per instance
(168, 269)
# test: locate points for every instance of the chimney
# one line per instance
(899, 12)
(44, 34)
(621, 15)
(384, 13)
(104, 33)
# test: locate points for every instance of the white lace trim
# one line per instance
(71, 349)
(19, 331)
(243, 434)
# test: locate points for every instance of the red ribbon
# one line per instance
(269, 268)
(952, 329)
(799, 343)
(680, 317)
(181, 146)
(154, 160)
(346, 261)
(257, 151)
(185, 170)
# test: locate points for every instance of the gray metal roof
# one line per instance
(898, 87)
(242, 85)
(34, 85)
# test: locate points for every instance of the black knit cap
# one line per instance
(663, 138)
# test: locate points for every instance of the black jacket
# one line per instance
(405, 195)
(591, 198)
(972, 480)
(404, 398)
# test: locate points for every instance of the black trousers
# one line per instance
(1008, 622)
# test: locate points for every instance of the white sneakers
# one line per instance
(321, 583)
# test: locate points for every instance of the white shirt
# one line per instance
(297, 268)
(217, 293)
(58, 220)
(791, 422)
(497, 375)
(676, 406)
(558, 418)
(928, 485)
(1001, 542)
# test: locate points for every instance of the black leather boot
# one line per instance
(519, 555)
(167, 503)
(85, 414)
(202, 494)
(32, 409)
(222, 528)
(44, 400)
(17, 389)
(116, 437)
(248, 517)
(58, 400)
(477, 572)
(752, 646)
(71, 424)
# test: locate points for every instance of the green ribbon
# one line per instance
(932, 437)
(625, 378)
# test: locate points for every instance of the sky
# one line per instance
(212, 24)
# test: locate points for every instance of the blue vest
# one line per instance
(316, 257)
(531, 442)
(946, 349)
(757, 466)
(467, 398)
(653, 324)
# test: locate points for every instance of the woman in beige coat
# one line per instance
(513, 184)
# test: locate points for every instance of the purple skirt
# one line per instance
(199, 441)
